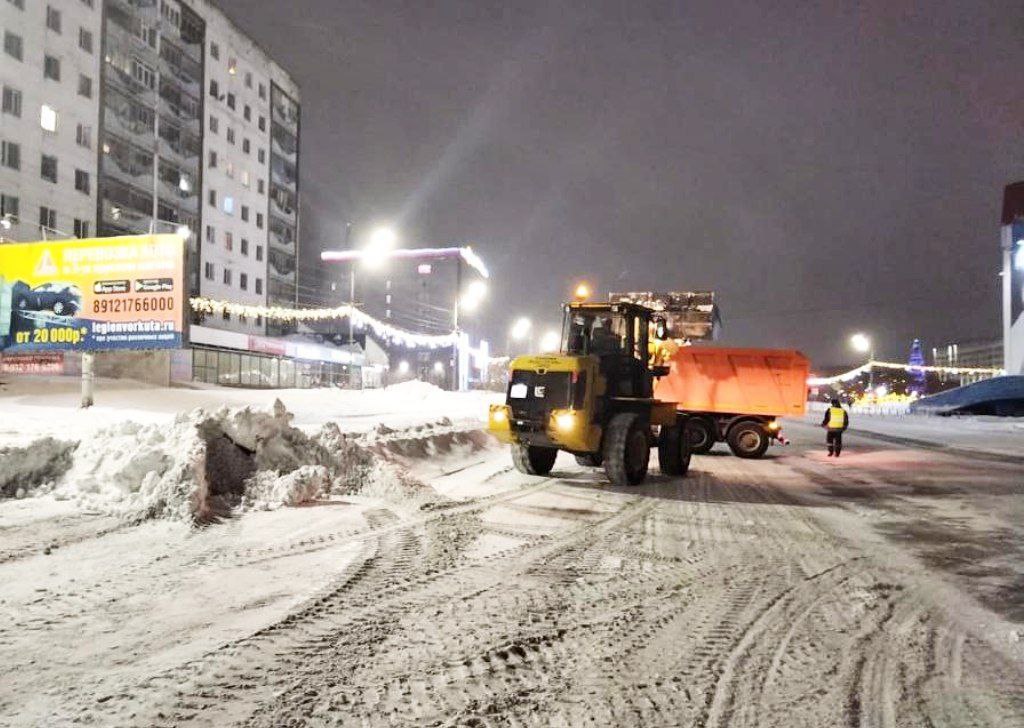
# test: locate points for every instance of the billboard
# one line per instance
(93, 294)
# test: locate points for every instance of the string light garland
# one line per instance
(391, 334)
(854, 373)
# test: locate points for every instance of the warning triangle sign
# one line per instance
(46, 266)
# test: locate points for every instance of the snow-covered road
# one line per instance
(884, 589)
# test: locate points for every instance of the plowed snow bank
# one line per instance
(205, 464)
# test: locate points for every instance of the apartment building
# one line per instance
(49, 79)
(186, 122)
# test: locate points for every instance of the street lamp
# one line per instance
(382, 241)
(550, 342)
(473, 296)
(862, 344)
(517, 332)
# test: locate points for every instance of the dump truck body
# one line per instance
(736, 395)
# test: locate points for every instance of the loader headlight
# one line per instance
(565, 421)
(499, 415)
(774, 426)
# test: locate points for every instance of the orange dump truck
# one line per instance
(735, 395)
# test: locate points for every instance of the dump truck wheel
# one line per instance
(673, 451)
(533, 460)
(700, 434)
(626, 450)
(748, 440)
(590, 460)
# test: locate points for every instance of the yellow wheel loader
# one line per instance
(594, 398)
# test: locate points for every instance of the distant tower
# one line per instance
(916, 378)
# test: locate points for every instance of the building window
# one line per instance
(85, 40)
(48, 168)
(209, 233)
(213, 159)
(51, 68)
(8, 205)
(84, 86)
(48, 217)
(10, 155)
(143, 74)
(231, 135)
(261, 156)
(47, 118)
(259, 220)
(214, 50)
(229, 241)
(259, 285)
(263, 123)
(12, 45)
(81, 228)
(259, 256)
(229, 170)
(19, 4)
(213, 124)
(208, 271)
(232, 66)
(214, 88)
(263, 91)
(83, 136)
(244, 247)
(227, 276)
(229, 205)
(243, 281)
(247, 113)
(260, 186)
(87, 3)
(245, 213)
(211, 197)
(248, 79)
(245, 146)
(231, 101)
(53, 19)
(245, 178)
(82, 181)
(12, 101)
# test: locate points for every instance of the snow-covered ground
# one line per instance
(376, 561)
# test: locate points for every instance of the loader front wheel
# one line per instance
(533, 460)
(626, 450)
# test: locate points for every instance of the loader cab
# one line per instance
(617, 334)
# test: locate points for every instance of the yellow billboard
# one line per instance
(97, 293)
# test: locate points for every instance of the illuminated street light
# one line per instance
(438, 367)
(183, 232)
(403, 367)
(582, 292)
(473, 296)
(862, 344)
(521, 328)
(550, 342)
(382, 241)
(1018, 257)
(5, 222)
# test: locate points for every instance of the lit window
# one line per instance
(232, 66)
(48, 118)
(229, 205)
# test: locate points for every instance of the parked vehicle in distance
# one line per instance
(735, 395)
(64, 299)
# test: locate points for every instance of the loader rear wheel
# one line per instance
(626, 450)
(673, 451)
(748, 440)
(533, 460)
(701, 435)
(590, 460)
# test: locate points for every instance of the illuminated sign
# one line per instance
(93, 294)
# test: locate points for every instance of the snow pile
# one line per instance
(206, 464)
(24, 469)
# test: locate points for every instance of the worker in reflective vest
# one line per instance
(835, 423)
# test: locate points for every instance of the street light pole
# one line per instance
(455, 319)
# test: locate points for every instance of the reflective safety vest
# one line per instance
(836, 415)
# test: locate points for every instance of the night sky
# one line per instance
(825, 170)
